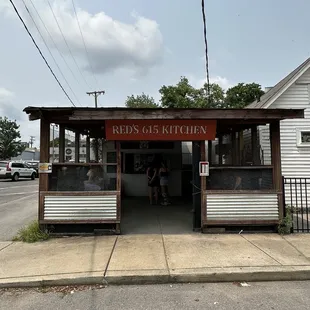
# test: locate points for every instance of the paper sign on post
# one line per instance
(45, 168)
(204, 168)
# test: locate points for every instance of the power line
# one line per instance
(51, 37)
(69, 49)
(50, 51)
(34, 42)
(87, 54)
(206, 46)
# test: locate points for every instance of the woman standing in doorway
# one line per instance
(153, 182)
(164, 181)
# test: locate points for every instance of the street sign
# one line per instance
(204, 168)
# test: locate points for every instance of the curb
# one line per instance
(203, 277)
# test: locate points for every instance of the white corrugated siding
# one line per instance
(237, 207)
(80, 207)
(295, 160)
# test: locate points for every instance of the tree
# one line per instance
(141, 101)
(184, 95)
(10, 143)
(242, 95)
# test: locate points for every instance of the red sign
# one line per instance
(160, 130)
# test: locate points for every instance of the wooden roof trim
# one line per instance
(91, 114)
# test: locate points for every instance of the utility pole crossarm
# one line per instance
(96, 94)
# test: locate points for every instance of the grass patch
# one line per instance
(31, 233)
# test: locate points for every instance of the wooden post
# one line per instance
(203, 186)
(77, 147)
(196, 155)
(240, 148)
(210, 152)
(61, 144)
(87, 149)
(233, 148)
(220, 150)
(276, 162)
(44, 158)
(118, 183)
(255, 148)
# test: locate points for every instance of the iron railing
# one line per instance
(297, 202)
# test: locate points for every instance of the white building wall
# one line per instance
(295, 160)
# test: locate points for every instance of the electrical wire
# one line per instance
(40, 52)
(65, 40)
(50, 51)
(51, 37)
(86, 51)
(206, 46)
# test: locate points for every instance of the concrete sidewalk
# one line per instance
(155, 259)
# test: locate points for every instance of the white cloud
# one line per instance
(111, 44)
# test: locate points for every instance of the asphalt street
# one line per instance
(18, 206)
(232, 296)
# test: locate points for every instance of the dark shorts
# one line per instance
(155, 183)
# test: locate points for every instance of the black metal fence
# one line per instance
(297, 202)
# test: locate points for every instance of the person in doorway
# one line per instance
(153, 182)
(164, 181)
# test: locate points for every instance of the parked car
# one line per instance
(35, 166)
(15, 170)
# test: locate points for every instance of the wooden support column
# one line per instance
(255, 146)
(220, 150)
(233, 148)
(61, 144)
(44, 158)
(210, 152)
(240, 147)
(276, 162)
(77, 147)
(87, 149)
(203, 186)
(118, 184)
(196, 156)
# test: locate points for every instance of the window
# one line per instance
(303, 137)
(111, 159)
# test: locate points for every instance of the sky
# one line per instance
(135, 46)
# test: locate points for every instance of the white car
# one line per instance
(15, 170)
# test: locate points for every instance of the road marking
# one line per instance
(18, 186)
(19, 193)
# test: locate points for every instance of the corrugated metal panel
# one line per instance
(242, 207)
(80, 207)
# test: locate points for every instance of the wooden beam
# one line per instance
(77, 147)
(255, 146)
(220, 150)
(233, 114)
(276, 162)
(196, 156)
(233, 149)
(61, 143)
(88, 149)
(240, 147)
(44, 158)
(210, 152)
(203, 185)
(119, 178)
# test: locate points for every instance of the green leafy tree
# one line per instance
(242, 95)
(184, 95)
(181, 95)
(141, 101)
(10, 143)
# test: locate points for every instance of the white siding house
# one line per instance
(293, 92)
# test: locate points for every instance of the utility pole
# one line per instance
(96, 145)
(96, 94)
(32, 139)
